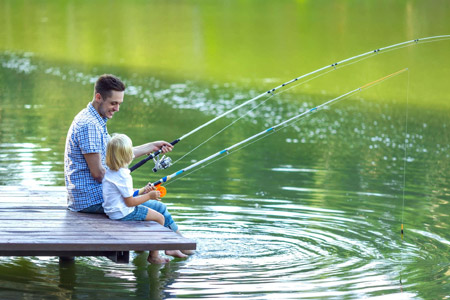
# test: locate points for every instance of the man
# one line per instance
(84, 157)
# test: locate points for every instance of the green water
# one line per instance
(310, 212)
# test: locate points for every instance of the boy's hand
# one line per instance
(148, 188)
(155, 195)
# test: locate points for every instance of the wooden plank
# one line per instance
(82, 226)
(34, 214)
(67, 228)
(116, 256)
(122, 245)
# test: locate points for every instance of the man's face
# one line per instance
(110, 105)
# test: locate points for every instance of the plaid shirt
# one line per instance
(87, 134)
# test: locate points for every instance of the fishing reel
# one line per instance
(162, 163)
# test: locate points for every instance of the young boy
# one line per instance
(119, 203)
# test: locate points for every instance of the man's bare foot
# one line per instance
(176, 253)
(188, 252)
(154, 258)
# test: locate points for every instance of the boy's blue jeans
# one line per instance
(153, 204)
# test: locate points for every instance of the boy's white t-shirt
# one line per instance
(116, 186)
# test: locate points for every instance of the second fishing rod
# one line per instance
(163, 163)
(268, 131)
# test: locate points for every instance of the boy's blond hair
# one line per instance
(119, 152)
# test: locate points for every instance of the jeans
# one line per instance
(162, 209)
(94, 209)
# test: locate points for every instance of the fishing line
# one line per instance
(367, 86)
(406, 150)
(195, 170)
(333, 66)
(404, 175)
(273, 128)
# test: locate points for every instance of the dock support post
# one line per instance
(66, 259)
(119, 256)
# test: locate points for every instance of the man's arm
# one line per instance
(148, 148)
(95, 166)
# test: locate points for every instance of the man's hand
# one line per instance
(149, 148)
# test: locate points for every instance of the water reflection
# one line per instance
(46, 278)
(22, 163)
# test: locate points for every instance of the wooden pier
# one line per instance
(36, 222)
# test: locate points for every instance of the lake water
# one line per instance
(312, 211)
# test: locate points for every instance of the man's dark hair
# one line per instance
(106, 84)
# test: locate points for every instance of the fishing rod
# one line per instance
(162, 189)
(164, 163)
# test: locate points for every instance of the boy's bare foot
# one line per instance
(176, 253)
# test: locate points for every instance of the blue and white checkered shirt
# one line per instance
(87, 134)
